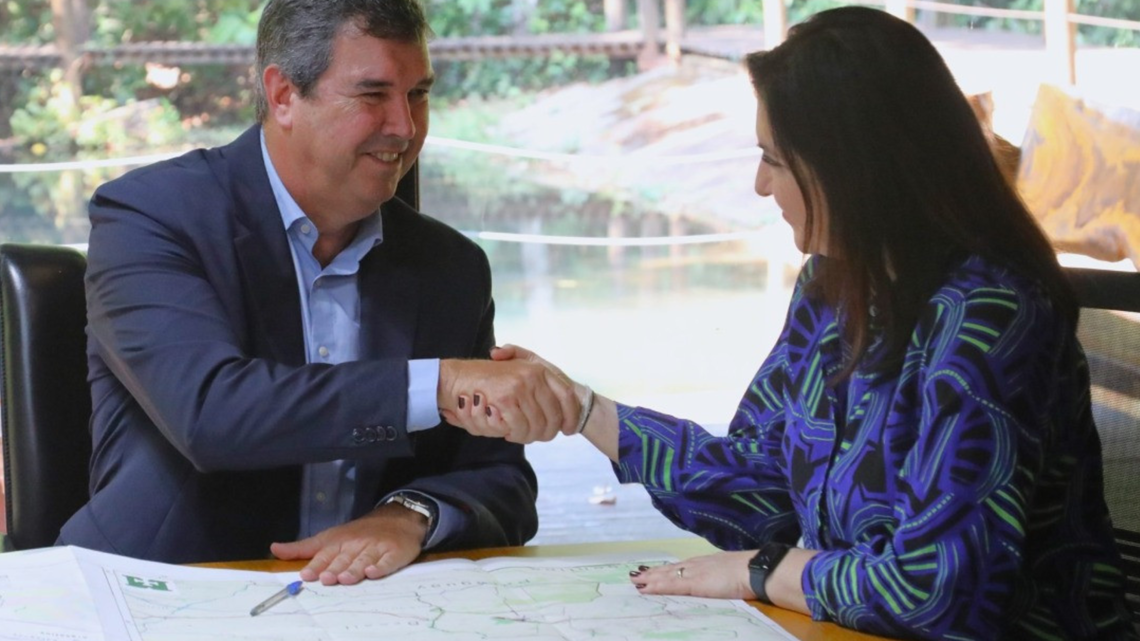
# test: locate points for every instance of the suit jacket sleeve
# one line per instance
(488, 479)
(171, 314)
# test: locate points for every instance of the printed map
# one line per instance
(504, 598)
(43, 597)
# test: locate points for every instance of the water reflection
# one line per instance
(678, 327)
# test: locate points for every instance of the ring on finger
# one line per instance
(681, 572)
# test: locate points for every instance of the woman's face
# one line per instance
(774, 178)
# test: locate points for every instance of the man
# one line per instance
(267, 323)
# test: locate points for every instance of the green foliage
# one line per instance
(119, 21)
(1120, 9)
(510, 77)
(471, 119)
(714, 12)
(221, 94)
(50, 121)
(25, 23)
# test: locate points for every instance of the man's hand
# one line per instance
(371, 547)
(517, 398)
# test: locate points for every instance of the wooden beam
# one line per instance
(617, 15)
(775, 23)
(1060, 40)
(901, 9)
(650, 17)
(70, 20)
(674, 28)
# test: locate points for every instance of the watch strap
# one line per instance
(419, 505)
(761, 566)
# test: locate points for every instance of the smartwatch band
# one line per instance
(761, 565)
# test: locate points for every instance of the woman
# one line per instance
(917, 456)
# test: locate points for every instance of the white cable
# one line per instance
(84, 164)
(594, 241)
(594, 159)
(450, 143)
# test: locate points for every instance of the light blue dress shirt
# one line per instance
(330, 316)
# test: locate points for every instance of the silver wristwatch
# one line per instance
(417, 505)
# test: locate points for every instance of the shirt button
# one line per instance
(323, 351)
(321, 497)
(305, 229)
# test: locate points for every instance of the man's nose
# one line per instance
(398, 120)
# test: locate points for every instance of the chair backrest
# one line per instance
(1109, 331)
(45, 402)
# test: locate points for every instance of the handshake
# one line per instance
(516, 395)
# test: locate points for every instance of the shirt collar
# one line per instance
(370, 234)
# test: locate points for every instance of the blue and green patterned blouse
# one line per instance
(959, 499)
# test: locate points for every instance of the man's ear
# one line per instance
(280, 93)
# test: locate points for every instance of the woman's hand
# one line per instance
(520, 399)
(517, 396)
(723, 575)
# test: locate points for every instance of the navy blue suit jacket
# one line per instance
(204, 409)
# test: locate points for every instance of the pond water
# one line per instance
(617, 294)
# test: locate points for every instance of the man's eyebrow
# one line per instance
(373, 83)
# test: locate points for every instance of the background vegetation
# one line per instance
(38, 114)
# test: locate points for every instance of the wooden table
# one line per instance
(799, 625)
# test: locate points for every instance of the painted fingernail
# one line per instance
(639, 586)
(477, 399)
(462, 402)
(643, 568)
(488, 411)
(634, 573)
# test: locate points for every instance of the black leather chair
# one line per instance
(1109, 330)
(45, 401)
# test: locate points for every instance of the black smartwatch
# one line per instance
(762, 565)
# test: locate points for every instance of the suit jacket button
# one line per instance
(358, 436)
(391, 433)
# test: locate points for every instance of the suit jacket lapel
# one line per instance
(267, 271)
(389, 294)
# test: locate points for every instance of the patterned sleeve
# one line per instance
(991, 365)
(731, 490)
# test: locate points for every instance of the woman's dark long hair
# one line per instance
(871, 122)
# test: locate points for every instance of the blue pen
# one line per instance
(290, 590)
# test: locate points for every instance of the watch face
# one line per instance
(768, 556)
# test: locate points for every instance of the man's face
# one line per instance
(361, 128)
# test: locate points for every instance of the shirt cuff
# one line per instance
(423, 383)
(448, 518)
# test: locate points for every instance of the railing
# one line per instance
(647, 44)
(1059, 17)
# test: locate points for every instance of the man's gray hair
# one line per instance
(297, 35)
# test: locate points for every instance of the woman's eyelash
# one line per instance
(764, 157)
